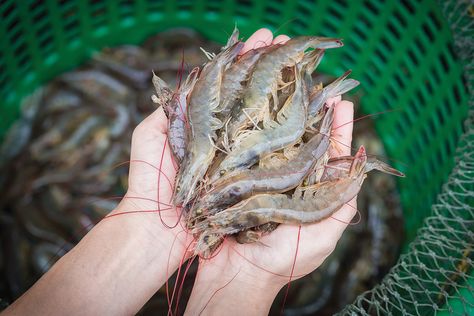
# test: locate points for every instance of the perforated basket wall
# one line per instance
(401, 51)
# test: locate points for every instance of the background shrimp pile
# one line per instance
(251, 134)
(58, 178)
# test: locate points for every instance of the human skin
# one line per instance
(125, 259)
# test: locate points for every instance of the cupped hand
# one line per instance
(268, 264)
(150, 185)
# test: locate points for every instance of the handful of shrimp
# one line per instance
(253, 152)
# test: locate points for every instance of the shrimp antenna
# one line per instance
(209, 55)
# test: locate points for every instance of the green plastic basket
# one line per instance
(401, 52)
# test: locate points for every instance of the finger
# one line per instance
(339, 221)
(342, 129)
(149, 136)
(156, 120)
(262, 37)
(280, 39)
(329, 230)
(150, 156)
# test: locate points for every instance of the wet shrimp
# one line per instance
(129, 63)
(241, 185)
(316, 203)
(234, 78)
(177, 117)
(286, 130)
(163, 93)
(97, 85)
(252, 235)
(319, 97)
(266, 76)
(203, 102)
(339, 167)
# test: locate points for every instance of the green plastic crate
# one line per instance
(401, 52)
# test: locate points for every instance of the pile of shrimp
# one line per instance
(251, 134)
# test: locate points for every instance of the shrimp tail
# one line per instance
(230, 53)
(337, 87)
(375, 164)
(233, 38)
(345, 86)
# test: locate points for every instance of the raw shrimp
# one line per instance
(254, 234)
(233, 80)
(288, 128)
(203, 101)
(267, 75)
(129, 63)
(317, 203)
(232, 189)
(98, 86)
(338, 87)
(177, 117)
(163, 93)
(339, 167)
(288, 77)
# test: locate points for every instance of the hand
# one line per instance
(124, 259)
(254, 273)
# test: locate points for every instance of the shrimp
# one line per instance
(163, 93)
(338, 87)
(317, 203)
(267, 74)
(203, 101)
(232, 189)
(288, 128)
(234, 77)
(233, 38)
(177, 117)
(98, 86)
(339, 167)
(129, 63)
(288, 77)
(254, 234)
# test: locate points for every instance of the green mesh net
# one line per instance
(436, 275)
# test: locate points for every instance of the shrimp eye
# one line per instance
(222, 172)
(199, 211)
(178, 188)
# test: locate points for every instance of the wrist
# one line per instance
(233, 290)
(142, 221)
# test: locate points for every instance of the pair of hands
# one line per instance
(265, 266)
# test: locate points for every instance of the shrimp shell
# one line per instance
(241, 185)
(267, 74)
(129, 63)
(233, 80)
(288, 128)
(177, 117)
(318, 202)
(203, 101)
(338, 87)
(339, 168)
(163, 93)
(254, 234)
